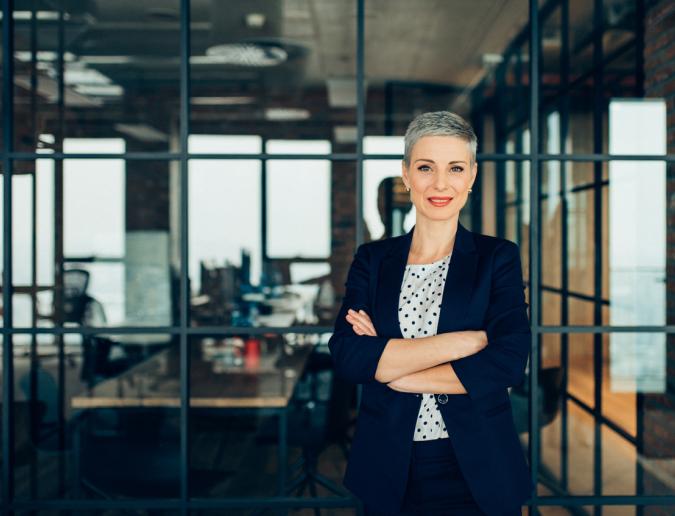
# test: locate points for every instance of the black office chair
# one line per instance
(82, 309)
(550, 389)
(318, 416)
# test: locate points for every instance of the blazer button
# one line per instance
(442, 399)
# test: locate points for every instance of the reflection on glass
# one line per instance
(115, 512)
(113, 239)
(274, 68)
(113, 438)
(481, 77)
(240, 385)
(121, 73)
(387, 209)
(637, 267)
(239, 278)
(634, 426)
(298, 195)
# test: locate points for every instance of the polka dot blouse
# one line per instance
(419, 308)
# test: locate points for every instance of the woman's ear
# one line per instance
(404, 174)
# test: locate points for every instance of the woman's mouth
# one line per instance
(439, 202)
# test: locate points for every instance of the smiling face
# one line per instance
(439, 176)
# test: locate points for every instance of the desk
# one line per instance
(267, 385)
(143, 342)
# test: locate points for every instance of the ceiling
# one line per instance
(135, 43)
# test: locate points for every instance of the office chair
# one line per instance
(550, 388)
(318, 416)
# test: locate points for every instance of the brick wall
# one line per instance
(657, 416)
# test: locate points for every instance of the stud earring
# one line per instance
(470, 190)
(407, 188)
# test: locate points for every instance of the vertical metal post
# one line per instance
(500, 124)
(598, 109)
(564, 280)
(639, 48)
(518, 148)
(7, 347)
(263, 205)
(535, 240)
(34, 361)
(360, 130)
(360, 116)
(61, 410)
(478, 122)
(639, 93)
(184, 283)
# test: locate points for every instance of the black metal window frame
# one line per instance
(533, 116)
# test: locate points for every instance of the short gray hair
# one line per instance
(439, 123)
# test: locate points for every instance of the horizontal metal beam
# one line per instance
(307, 330)
(487, 156)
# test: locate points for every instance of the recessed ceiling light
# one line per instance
(255, 20)
(248, 54)
(286, 114)
(99, 90)
(221, 101)
(142, 132)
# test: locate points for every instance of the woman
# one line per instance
(434, 325)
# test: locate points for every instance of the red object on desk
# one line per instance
(252, 352)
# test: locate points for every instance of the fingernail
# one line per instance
(350, 310)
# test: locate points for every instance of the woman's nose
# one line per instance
(441, 182)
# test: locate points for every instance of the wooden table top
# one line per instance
(155, 382)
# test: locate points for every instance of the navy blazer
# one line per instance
(484, 290)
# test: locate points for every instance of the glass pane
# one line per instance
(626, 447)
(602, 66)
(307, 204)
(278, 69)
(418, 58)
(103, 510)
(120, 74)
(107, 225)
(504, 191)
(245, 273)
(241, 386)
(580, 34)
(118, 433)
(629, 284)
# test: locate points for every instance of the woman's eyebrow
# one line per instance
(432, 161)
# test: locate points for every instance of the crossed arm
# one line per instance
(454, 363)
(423, 364)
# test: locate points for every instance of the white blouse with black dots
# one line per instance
(419, 308)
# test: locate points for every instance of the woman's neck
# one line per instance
(432, 240)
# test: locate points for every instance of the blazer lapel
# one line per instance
(456, 293)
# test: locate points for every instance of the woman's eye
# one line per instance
(424, 168)
(457, 169)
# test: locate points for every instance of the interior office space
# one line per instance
(185, 183)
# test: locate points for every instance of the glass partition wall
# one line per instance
(184, 185)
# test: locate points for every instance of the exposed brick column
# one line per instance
(343, 221)
(657, 416)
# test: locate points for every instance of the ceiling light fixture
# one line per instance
(260, 54)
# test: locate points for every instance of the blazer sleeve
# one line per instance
(502, 362)
(356, 357)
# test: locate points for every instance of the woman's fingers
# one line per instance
(361, 322)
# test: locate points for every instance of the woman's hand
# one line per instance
(361, 323)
